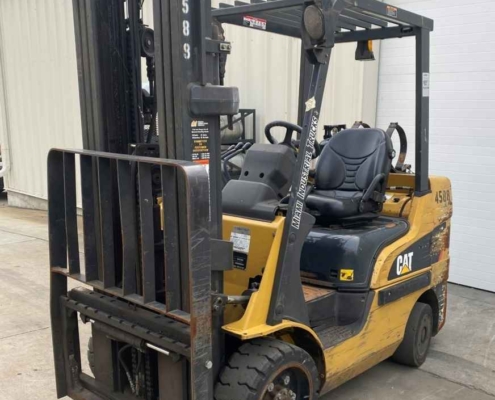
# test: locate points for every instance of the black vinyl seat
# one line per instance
(351, 176)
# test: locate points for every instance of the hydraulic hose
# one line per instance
(126, 369)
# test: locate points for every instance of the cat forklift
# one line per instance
(282, 285)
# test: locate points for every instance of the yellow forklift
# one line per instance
(285, 284)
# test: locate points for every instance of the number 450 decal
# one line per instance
(443, 196)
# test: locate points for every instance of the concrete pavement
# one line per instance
(461, 364)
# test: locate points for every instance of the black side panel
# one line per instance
(345, 257)
(403, 289)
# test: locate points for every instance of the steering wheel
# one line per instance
(289, 131)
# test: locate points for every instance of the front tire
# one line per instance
(268, 369)
(414, 347)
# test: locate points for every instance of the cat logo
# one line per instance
(404, 263)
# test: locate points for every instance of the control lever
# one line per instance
(232, 147)
(238, 146)
(244, 148)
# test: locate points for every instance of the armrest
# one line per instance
(371, 189)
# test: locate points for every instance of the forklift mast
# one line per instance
(119, 229)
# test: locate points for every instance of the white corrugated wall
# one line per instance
(41, 87)
(462, 104)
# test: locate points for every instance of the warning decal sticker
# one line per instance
(426, 84)
(241, 239)
(310, 104)
(392, 11)
(253, 22)
(347, 275)
(200, 135)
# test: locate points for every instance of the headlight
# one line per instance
(314, 23)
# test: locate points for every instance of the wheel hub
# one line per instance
(290, 384)
(282, 393)
(423, 335)
(282, 390)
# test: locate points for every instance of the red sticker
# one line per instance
(253, 22)
(392, 11)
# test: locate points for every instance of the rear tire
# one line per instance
(263, 369)
(414, 347)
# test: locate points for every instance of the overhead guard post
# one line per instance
(422, 110)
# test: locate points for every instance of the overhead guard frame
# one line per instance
(359, 20)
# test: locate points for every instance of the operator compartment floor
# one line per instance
(314, 292)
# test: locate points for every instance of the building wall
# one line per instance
(462, 104)
(41, 87)
(41, 108)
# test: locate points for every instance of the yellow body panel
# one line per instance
(424, 214)
(265, 238)
(384, 328)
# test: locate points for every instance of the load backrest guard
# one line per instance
(122, 253)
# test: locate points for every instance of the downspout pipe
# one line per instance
(4, 116)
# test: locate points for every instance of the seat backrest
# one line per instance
(265, 179)
(271, 164)
(353, 158)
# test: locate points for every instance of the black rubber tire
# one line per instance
(414, 347)
(91, 356)
(255, 365)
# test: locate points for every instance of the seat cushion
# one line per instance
(334, 204)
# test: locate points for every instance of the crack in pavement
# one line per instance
(24, 333)
(464, 385)
(467, 365)
(22, 234)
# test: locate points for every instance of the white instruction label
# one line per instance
(310, 104)
(426, 84)
(241, 238)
